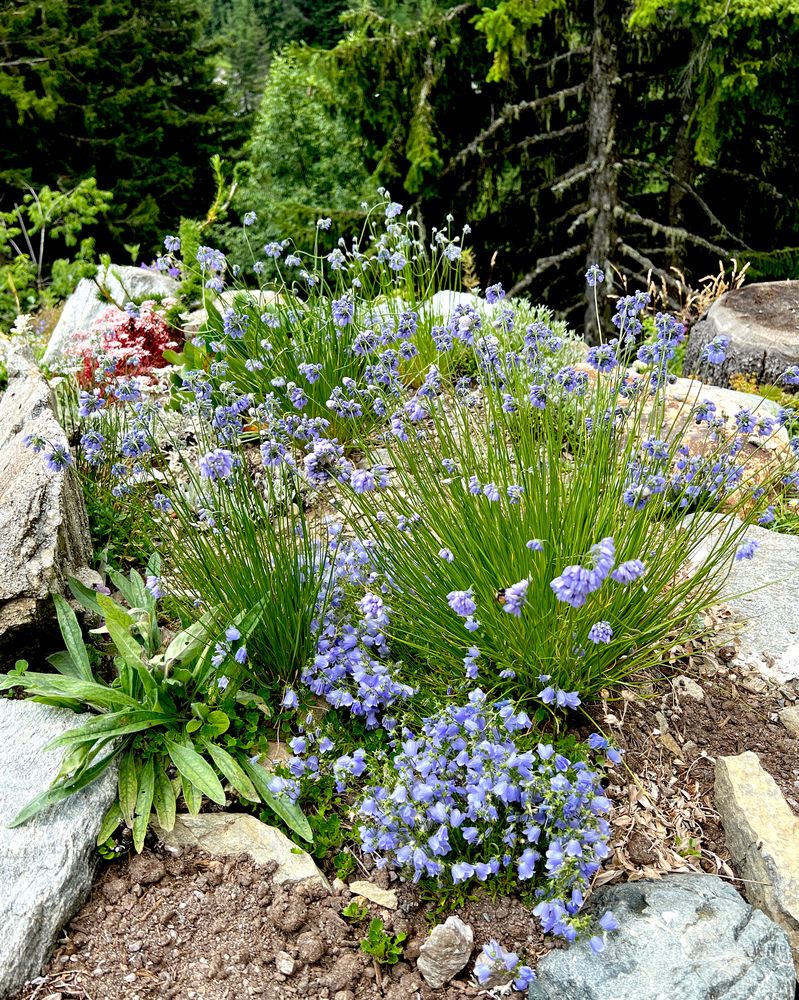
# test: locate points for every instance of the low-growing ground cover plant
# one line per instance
(451, 530)
(127, 342)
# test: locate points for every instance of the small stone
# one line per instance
(762, 835)
(445, 952)
(688, 687)
(114, 889)
(310, 947)
(339, 887)
(789, 717)
(668, 741)
(754, 684)
(284, 963)
(382, 897)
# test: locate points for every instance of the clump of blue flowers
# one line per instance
(471, 796)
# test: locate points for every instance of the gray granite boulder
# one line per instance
(684, 937)
(46, 865)
(44, 531)
(762, 324)
(123, 283)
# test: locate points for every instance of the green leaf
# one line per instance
(164, 800)
(85, 596)
(197, 770)
(112, 819)
(216, 723)
(191, 795)
(127, 588)
(288, 811)
(193, 725)
(144, 805)
(109, 726)
(232, 771)
(56, 686)
(191, 640)
(254, 700)
(63, 663)
(73, 637)
(128, 786)
(144, 599)
(62, 791)
(119, 623)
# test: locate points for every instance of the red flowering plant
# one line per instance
(122, 343)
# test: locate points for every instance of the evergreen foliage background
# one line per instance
(643, 135)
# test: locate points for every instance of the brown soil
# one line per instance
(186, 925)
(664, 812)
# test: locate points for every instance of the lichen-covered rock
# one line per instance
(762, 324)
(690, 937)
(44, 531)
(762, 834)
(46, 866)
(82, 308)
(445, 952)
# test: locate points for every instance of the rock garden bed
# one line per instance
(179, 922)
(395, 581)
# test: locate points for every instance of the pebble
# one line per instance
(689, 687)
(284, 963)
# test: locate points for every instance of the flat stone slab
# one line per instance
(762, 834)
(46, 866)
(683, 937)
(231, 834)
(386, 898)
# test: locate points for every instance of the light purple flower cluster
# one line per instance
(716, 350)
(576, 582)
(466, 799)
(495, 963)
(218, 464)
(352, 668)
(326, 462)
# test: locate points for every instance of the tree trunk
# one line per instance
(683, 169)
(603, 194)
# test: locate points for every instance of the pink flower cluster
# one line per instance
(122, 343)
